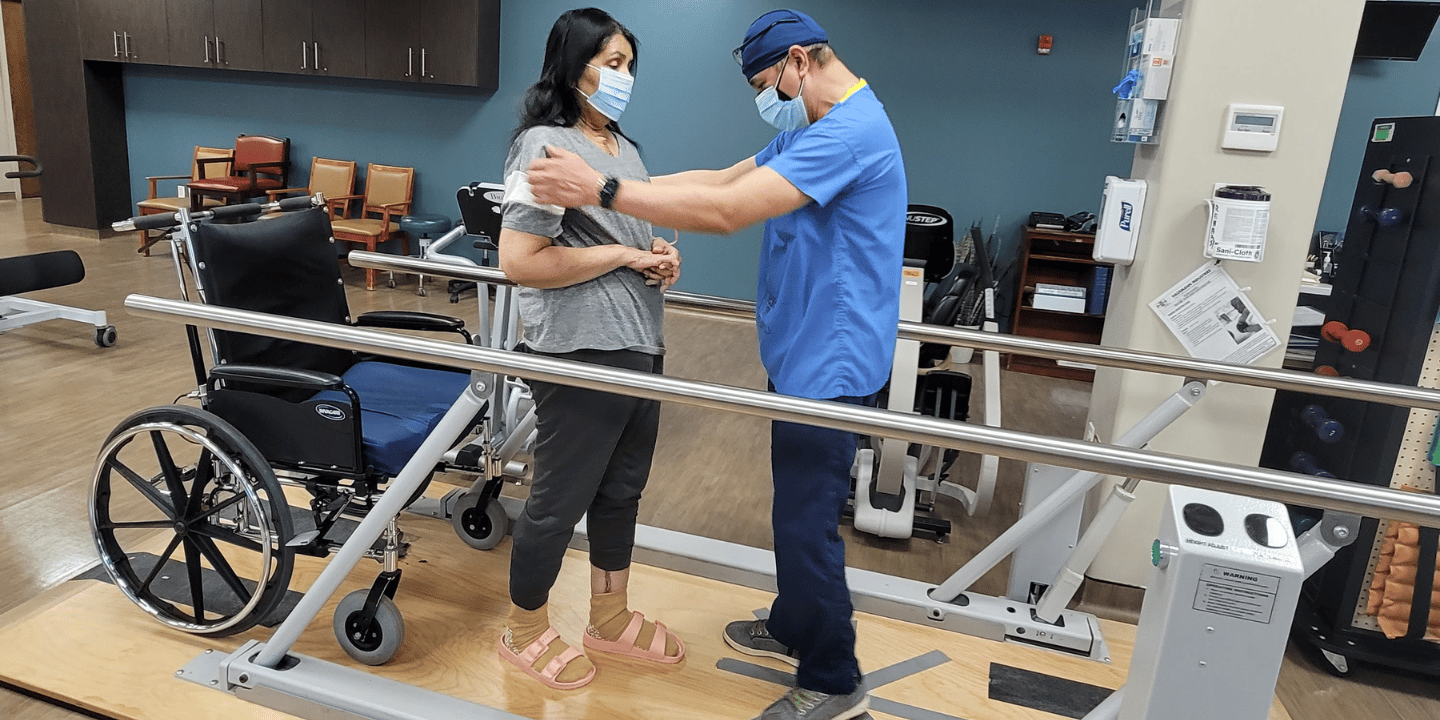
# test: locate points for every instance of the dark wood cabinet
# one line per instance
(338, 38)
(80, 106)
(225, 34)
(315, 37)
(444, 42)
(1057, 258)
(287, 26)
(124, 31)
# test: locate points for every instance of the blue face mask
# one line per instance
(612, 94)
(783, 114)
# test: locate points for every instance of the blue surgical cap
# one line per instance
(772, 34)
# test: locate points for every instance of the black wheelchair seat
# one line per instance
(306, 406)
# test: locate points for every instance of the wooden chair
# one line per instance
(387, 194)
(155, 205)
(261, 163)
(333, 178)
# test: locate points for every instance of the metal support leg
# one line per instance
(1080, 483)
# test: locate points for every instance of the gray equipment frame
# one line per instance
(320, 685)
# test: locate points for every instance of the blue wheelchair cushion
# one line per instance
(399, 407)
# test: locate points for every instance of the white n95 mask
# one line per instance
(613, 93)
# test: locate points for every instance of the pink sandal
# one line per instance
(625, 645)
(525, 660)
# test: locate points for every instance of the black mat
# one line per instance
(1038, 691)
(173, 585)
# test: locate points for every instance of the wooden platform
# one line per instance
(85, 644)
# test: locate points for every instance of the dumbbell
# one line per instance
(1384, 217)
(1306, 464)
(1400, 180)
(1352, 340)
(1326, 429)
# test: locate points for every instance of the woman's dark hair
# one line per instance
(574, 39)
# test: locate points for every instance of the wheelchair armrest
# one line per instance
(287, 377)
(408, 320)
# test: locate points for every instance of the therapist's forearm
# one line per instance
(693, 207)
(695, 177)
(707, 177)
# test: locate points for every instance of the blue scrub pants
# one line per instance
(810, 467)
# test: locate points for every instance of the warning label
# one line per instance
(1236, 593)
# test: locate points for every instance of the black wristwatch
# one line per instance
(608, 190)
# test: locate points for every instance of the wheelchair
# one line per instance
(333, 426)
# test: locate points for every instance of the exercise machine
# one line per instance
(894, 480)
(42, 271)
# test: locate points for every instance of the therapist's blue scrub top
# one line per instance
(829, 290)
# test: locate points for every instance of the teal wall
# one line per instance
(1378, 88)
(989, 127)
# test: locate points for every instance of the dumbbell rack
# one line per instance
(1380, 320)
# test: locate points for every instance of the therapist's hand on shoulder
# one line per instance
(565, 179)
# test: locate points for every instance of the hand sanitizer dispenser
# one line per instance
(1118, 227)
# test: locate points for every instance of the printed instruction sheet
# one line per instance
(1213, 319)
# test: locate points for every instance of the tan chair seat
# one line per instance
(236, 183)
(363, 226)
(173, 204)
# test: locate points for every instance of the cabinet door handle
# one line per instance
(410, 64)
(422, 63)
(116, 37)
(315, 47)
(220, 51)
(207, 48)
(304, 56)
(127, 45)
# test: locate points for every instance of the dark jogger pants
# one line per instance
(592, 455)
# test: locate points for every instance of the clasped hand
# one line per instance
(661, 267)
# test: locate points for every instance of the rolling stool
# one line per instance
(424, 228)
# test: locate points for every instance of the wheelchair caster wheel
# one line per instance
(480, 521)
(183, 472)
(105, 337)
(375, 643)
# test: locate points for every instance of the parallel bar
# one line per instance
(1225, 477)
(1399, 395)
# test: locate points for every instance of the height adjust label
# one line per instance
(1237, 593)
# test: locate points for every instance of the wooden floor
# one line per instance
(60, 395)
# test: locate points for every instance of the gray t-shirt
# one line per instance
(615, 311)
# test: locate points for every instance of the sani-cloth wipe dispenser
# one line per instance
(1118, 227)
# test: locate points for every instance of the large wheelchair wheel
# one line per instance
(185, 473)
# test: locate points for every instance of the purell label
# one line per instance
(1126, 210)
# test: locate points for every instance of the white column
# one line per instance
(1293, 53)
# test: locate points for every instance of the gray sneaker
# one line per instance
(811, 705)
(751, 637)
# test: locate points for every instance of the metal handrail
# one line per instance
(1174, 469)
(1367, 390)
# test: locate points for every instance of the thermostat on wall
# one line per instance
(1252, 127)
